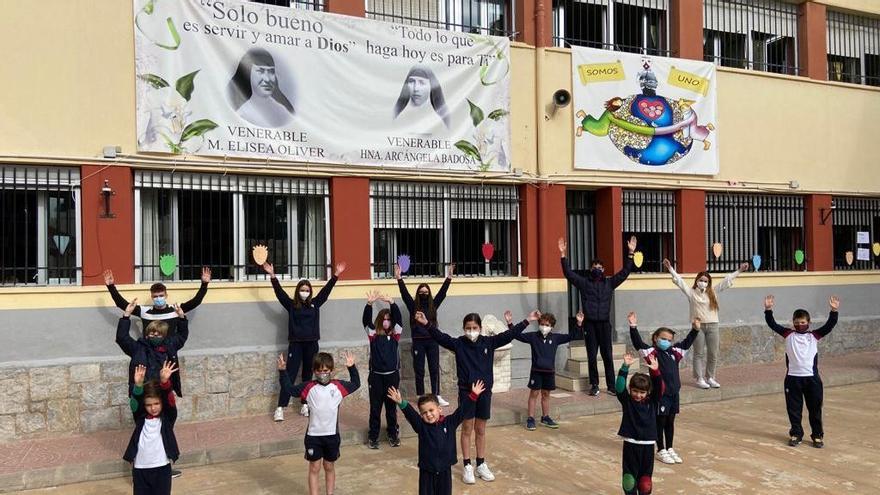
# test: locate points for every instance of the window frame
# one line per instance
(609, 39)
(853, 37)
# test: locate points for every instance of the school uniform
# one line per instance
(638, 428)
(542, 375)
(423, 346)
(802, 381)
(153, 357)
(384, 371)
(303, 332)
(152, 446)
(322, 438)
(474, 361)
(166, 313)
(437, 445)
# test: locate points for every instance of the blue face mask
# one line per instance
(159, 301)
(664, 344)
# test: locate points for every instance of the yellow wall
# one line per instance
(866, 6)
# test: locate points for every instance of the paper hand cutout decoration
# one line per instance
(403, 262)
(167, 264)
(260, 254)
(488, 251)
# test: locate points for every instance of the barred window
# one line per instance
(438, 224)
(636, 26)
(215, 220)
(771, 226)
(853, 49)
(493, 17)
(581, 211)
(39, 225)
(296, 4)
(650, 216)
(751, 34)
(851, 216)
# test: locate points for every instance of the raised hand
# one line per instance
(386, 298)
(420, 318)
(131, 306)
(349, 359)
(450, 270)
(653, 363)
(629, 359)
(179, 311)
(108, 277)
(168, 368)
(834, 302)
(534, 315)
(579, 317)
(508, 317)
(631, 245)
(563, 246)
(744, 267)
(269, 268)
(372, 296)
(394, 395)
(140, 372)
(282, 365)
(632, 319)
(769, 301)
(696, 324)
(340, 267)
(667, 265)
(478, 387)
(206, 274)
(397, 272)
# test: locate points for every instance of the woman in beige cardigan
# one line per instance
(704, 305)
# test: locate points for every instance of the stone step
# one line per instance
(575, 383)
(580, 351)
(580, 366)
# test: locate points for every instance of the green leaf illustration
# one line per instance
(186, 84)
(496, 115)
(197, 128)
(476, 113)
(148, 8)
(154, 80)
(469, 149)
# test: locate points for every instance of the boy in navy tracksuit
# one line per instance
(802, 382)
(423, 346)
(668, 354)
(436, 435)
(638, 425)
(542, 377)
(303, 329)
(384, 336)
(153, 446)
(474, 358)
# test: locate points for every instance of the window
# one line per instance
(745, 225)
(438, 224)
(581, 210)
(853, 49)
(491, 17)
(39, 225)
(755, 34)
(215, 220)
(296, 4)
(650, 216)
(851, 216)
(637, 26)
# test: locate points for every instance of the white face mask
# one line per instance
(545, 329)
(702, 284)
(386, 324)
(473, 335)
(304, 294)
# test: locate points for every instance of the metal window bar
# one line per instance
(751, 34)
(581, 226)
(850, 216)
(317, 5)
(215, 220)
(636, 26)
(752, 224)
(853, 44)
(438, 224)
(650, 216)
(39, 225)
(492, 17)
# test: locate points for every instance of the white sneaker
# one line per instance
(484, 473)
(304, 410)
(700, 383)
(442, 401)
(713, 383)
(664, 457)
(674, 455)
(467, 475)
(279, 414)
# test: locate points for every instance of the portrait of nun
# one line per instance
(254, 93)
(412, 109)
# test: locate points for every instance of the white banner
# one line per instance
(640, 113)
(232, 78)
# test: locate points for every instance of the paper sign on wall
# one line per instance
(864, 254)
(863, 238)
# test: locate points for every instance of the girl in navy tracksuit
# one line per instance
(423, 346)
(384, 336)
(668, 354)
(474, 357)
(638, 425)
(303, 329)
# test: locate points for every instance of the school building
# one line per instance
(798, 85)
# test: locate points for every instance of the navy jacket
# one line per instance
(639, 419)
(596, 292)
(153, 357)
(168, 416)
(668, 360)
(168, 313)
(384, 349)
(437, 441)
(473, 360)
(543, 347)
(419, 331)
(304, 324)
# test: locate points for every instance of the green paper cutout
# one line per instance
(168, 263)
(799, 256)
